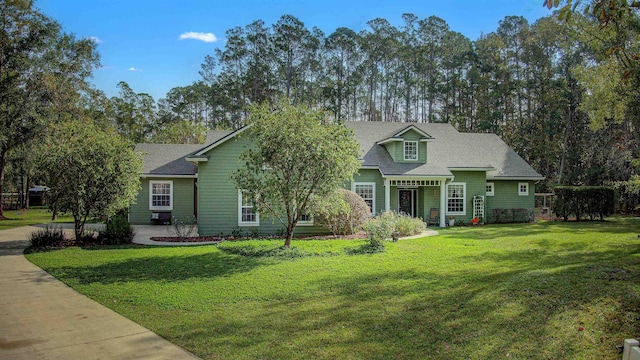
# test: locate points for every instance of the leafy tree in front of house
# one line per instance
(90, 172)
(42, 73)
(299, 154)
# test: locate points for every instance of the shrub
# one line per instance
(591, 201)
(383, 226)
(236, 232)
(117, 232)
(380, 229)
(504, 216)
(343, 212)
(406, 225)
(182, 227)
(47, 237)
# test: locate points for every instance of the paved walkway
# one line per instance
(41, 318)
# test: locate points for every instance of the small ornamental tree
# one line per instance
(90, 172)
(298, 154)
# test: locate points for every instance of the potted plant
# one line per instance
(452, 220)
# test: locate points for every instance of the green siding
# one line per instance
(431, 199)
(475, 185)
(218, 196)
(183, 201)
(506, 197)
(373, 176)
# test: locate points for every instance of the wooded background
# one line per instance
(562, 92)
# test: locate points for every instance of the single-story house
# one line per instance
(430, 171)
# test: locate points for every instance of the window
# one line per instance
(367, 192)
(160, 195)
(305, 220)
(247, 216)
(456, 198)
(523, 189)
(490, 189)
(411, 150)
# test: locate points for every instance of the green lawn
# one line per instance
(17, 218)
(538, 291)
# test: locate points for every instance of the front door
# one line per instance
(406, 201)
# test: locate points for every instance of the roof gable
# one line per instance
(201, 154)
(448, 150)
(400, 135)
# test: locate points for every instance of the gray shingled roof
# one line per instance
(167, 159)
(449, 149)
(215, 135)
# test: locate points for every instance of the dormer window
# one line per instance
(410, 150)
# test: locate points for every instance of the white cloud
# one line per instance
(133, 69)
(95, 39)
(206, 37)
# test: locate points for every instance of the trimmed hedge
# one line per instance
(584, 201)
(505, 216)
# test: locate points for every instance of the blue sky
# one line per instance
(140, 40)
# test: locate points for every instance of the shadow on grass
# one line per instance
(414, 314)
(159, 268)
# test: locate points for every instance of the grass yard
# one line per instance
(17, 218)
(538, 291)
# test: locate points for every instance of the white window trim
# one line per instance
(373, 201)
(305, 223)
(523, 193)
(404, 149)
(161, 208)
(464, 199)
(493, 189)
(246, 223)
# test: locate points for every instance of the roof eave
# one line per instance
(165, 176)
(220, 141)
(529, 178)
(388, 140)
(197, 159)
(471, 168)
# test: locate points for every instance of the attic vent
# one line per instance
(414, 182)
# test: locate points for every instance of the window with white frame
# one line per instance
(160, 195)
(305, 220)
(490, 189)
(247, 215)
(456, 196)
(523, 189)
(411, 150)
(367, 192)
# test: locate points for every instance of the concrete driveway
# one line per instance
(42, 318)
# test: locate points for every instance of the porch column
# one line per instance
(443, 202)
(387, 195)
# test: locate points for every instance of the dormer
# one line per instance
(409, 145)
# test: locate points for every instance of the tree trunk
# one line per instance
(3, 158)
(78, 228)
(289, 234)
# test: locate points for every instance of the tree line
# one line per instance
(557, 91)
(553, 90)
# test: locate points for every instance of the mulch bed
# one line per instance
(197, 239)
(192, 239)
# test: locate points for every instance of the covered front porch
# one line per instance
(416, 197)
